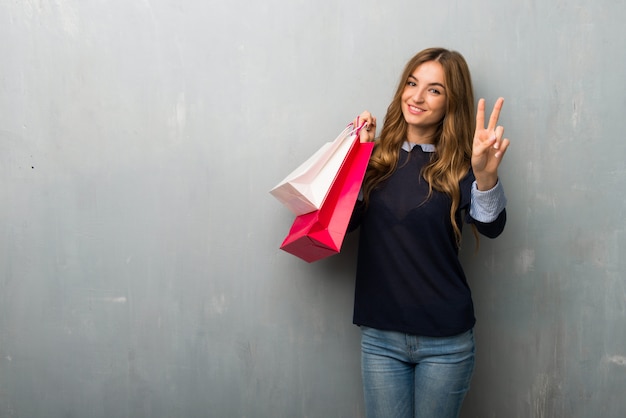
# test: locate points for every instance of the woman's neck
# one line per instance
(420, 136)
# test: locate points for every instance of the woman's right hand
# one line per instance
(368, 133)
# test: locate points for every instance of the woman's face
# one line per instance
(424, 101)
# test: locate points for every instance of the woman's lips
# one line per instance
(415, 110)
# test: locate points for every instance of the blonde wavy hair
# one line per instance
(453, 138)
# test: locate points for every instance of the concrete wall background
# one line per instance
(139, 269)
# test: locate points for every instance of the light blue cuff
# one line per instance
(485, 206)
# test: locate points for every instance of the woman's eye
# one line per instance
(435, 91)
(411, 83)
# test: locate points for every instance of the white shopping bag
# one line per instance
(304, 190)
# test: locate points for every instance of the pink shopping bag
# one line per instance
(320, 234)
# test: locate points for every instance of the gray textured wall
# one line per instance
(139, 269)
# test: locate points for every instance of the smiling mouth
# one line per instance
(415, 109)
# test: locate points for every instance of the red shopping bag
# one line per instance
(320, 234)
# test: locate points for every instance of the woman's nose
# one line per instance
(418, 97)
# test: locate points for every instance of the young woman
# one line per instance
(434, 166)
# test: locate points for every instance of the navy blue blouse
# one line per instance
(409, 277)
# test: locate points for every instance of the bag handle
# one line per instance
(358, 128)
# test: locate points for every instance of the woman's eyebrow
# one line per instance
(431, 84)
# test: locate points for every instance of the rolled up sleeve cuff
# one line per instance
(485, 206)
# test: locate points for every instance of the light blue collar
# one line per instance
(408, 147)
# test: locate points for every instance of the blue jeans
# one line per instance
(408, 376)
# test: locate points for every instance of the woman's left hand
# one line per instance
(488, 147)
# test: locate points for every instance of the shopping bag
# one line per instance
(305, 188)
(320, 234)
